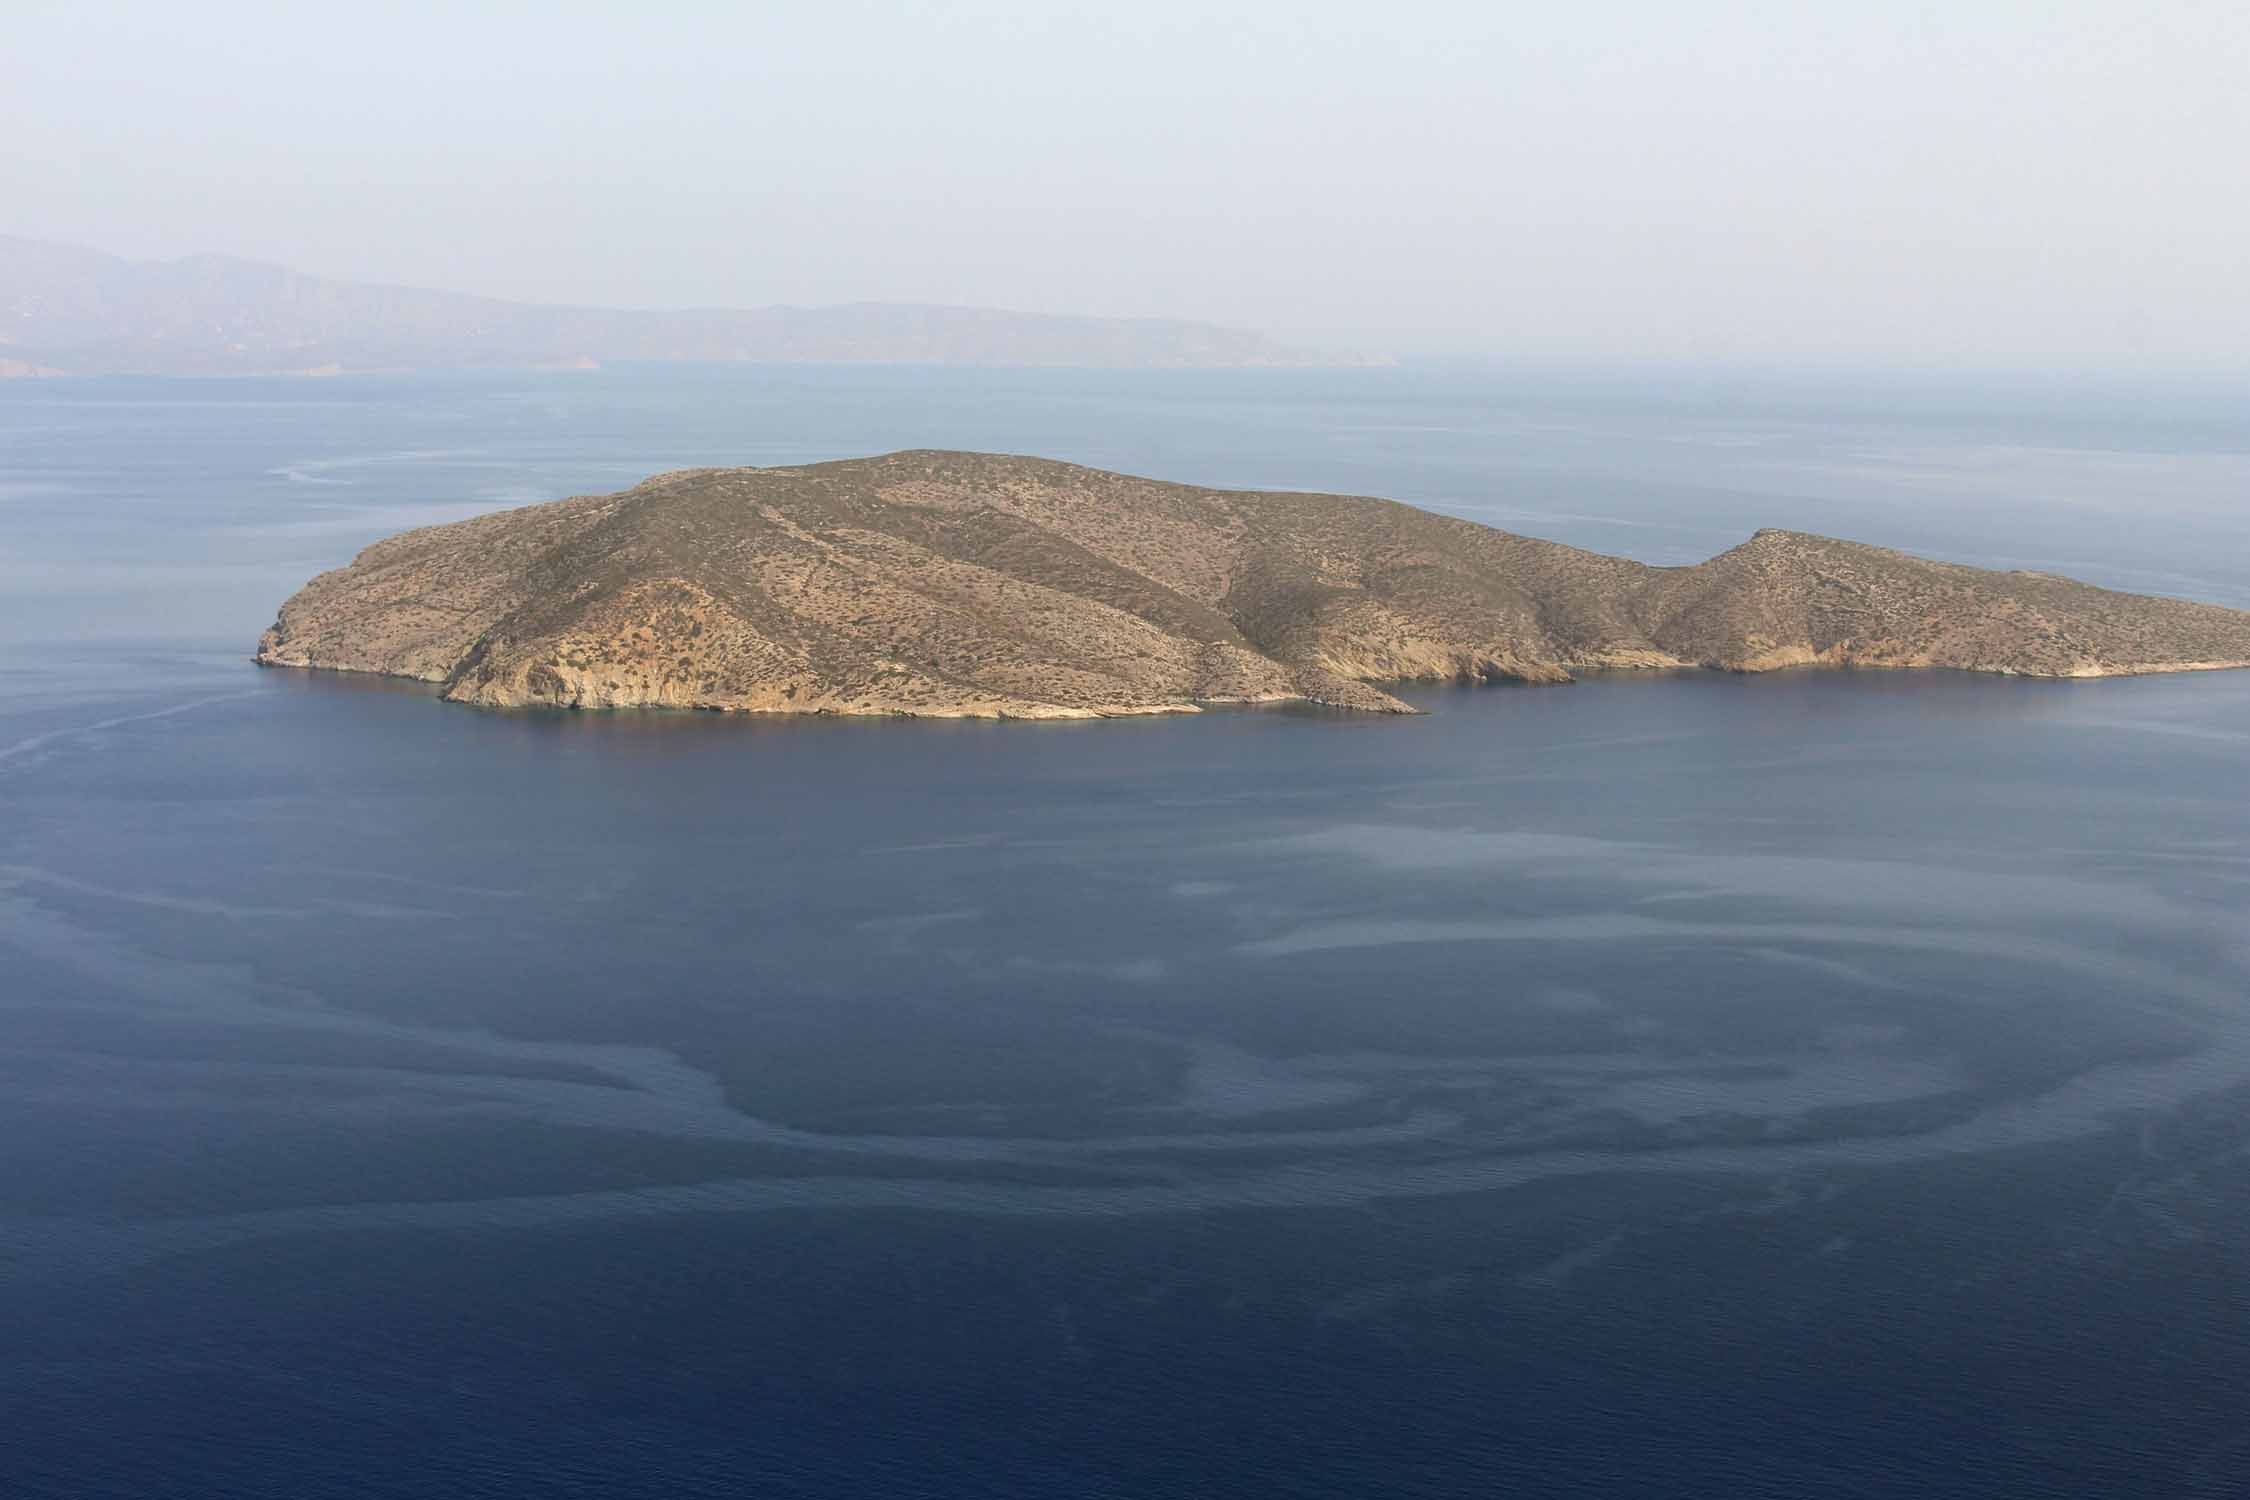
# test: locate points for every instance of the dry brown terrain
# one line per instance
(964, 584)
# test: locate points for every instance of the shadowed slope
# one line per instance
(970, 584)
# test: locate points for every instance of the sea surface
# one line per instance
(1664, 1085)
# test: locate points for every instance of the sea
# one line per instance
(1674, 1084)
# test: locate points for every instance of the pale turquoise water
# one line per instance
(1677, 1085)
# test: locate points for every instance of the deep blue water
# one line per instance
(1664, 1085)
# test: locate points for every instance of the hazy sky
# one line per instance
(1981, 181)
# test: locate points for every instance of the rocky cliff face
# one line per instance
(960, 584)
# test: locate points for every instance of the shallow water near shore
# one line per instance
(1670, 1083)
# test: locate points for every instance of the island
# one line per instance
(985, 585)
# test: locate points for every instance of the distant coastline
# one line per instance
(68, 311)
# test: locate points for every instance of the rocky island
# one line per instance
(965, 584)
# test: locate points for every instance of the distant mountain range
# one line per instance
(66, 310)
